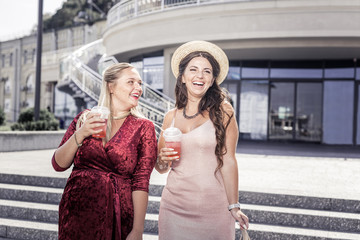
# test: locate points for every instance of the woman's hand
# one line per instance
(164, 157)
(134, 235)
(90, 126)
(240, 217)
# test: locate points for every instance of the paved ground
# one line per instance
(299, 169)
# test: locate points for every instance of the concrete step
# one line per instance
(277, 216)
(267, 199)
(29, 211)
(294, 201)
(291, 217)
(20, 229)
(32, 230)
(30, 193)
(33, 180)
(270, 232)
(26, 200)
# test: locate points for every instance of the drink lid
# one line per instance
(172, 132)
(104, 111)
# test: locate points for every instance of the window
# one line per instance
(30, 83)
(234, 73)
(338, 112)
(11, 59)
(25, 56)
(296, 69)
(253, 123)
(151, 69)
(3, 60)
(33, 55)
(339, 69)
(255, 69)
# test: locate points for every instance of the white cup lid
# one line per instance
(104, 111)
(172, 133)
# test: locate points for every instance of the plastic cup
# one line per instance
(172, 137)
(104, 114)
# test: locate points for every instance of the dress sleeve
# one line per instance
(69, 132)
(147, 154)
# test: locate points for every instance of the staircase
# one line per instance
(29, 210)
(80, 76)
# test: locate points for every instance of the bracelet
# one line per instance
(236, 205)
(161, 164)
(78, 144)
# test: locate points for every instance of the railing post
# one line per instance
(162, 5)
(135, 8)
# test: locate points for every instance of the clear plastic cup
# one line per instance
(172, 138)
(104, 114)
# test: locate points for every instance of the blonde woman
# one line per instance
(106, 194)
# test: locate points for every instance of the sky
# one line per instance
(18, 17)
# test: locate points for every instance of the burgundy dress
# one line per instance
(97, 199)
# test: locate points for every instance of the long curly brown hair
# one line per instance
(211, 101)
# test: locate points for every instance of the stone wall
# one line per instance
(23, 141)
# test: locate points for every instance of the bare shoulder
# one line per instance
(227, 108)
(168, 118)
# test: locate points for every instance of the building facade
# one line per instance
(17, 70)
(294, 64)
(294, 69)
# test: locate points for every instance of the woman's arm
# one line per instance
(140, 202)
(147, 152)
(64, 155)
(163, 163)
(229, 170)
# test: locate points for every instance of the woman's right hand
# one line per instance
(90, 126)
(164, 157)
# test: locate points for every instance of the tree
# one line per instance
(74, 12)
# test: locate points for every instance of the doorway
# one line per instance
(295, 111)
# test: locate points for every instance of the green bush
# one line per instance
(47, 121)
(2, 116)
(26, 115)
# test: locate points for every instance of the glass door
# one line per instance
(281, 112)
(308, 124)
(295, 111)
(254, 109)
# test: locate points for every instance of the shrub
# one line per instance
(2, 116)
(47, 121)
(26, 115)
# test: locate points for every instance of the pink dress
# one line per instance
(194, 203)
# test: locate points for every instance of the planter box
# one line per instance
(29, 140)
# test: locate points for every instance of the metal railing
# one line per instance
(74, 69)
(128, 9)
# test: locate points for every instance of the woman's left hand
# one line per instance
(240, 217)
(134, 235)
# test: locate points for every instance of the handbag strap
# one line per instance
(244, 235)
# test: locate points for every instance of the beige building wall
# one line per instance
(275, 29)
(18, 91)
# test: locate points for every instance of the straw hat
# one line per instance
(203, 46)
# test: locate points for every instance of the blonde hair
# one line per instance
(110, 75)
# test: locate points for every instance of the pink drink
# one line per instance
(176, 146)
(172, 137)
(103, 113)
(101, 134)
